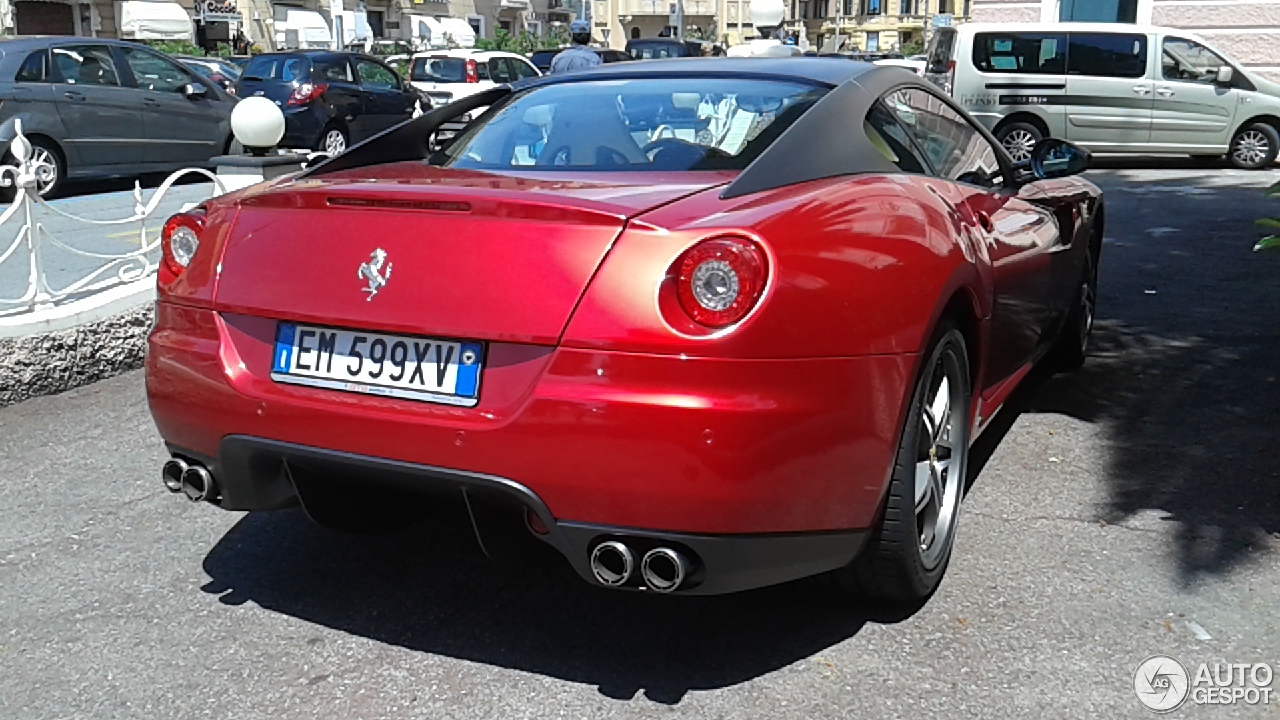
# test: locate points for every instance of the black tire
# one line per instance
(1254, 147)
(1072, 346)
(895, 564)
(322, 143)
(1018, 138)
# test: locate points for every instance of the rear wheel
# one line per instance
(1018, 139)
(333, 140)
(1254, 147)
(908, 553)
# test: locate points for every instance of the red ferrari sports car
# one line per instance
(702, 325)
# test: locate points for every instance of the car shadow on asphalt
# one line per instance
(430, 589)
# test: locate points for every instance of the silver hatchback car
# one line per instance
(98, 108)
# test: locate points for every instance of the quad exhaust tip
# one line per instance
(663, 569)
(197, 484)
(612, 563)
(171, 473)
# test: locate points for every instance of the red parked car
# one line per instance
(704, 325)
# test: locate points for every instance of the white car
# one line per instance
(912, 64)
(448, 75)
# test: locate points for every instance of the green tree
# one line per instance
(1270, 241)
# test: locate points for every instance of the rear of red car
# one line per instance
(560, 341)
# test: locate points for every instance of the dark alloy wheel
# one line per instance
(1072, 345)
(908, 553)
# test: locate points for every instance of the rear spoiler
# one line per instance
(410, 140)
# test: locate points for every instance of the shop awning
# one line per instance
(460, 30)
(313, 30)
(148, 20)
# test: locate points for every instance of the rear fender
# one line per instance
(858, 266)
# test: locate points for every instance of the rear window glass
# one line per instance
(651, 51)
(940, 49)
(1033, 53)
(278, 67)
(641, 125)
(1107, 55)
(445, 70)
(32, 69)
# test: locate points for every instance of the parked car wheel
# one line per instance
(1254, 147)
(1018, 138)
(333, 140)
(1072, 345)
(51, 169)
(907, 555)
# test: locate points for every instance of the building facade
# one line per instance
(1247, 31)
(869, 25)
(723, 21)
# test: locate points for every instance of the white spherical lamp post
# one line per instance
(258, 124)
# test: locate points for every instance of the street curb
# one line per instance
(54, 362)
(68, 315)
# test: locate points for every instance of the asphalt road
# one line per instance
(1132, 508)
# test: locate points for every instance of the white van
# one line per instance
(1108, 87)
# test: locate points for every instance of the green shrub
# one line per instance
(1270, 241)
(175, 47)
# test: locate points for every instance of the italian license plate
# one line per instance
(415, 368)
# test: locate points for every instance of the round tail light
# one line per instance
(720, 280)
(180, 239)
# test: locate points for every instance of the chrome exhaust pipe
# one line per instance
(663, 569)
(198, 484)
(171, 473)
(612, 563)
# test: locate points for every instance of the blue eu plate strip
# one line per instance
(282, 359)
(469, 372)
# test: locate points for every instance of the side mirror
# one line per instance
(1224, 76)
(1052, 158)
(193, 91)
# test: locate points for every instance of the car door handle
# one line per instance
(151, 102)
(1142, 89)
(1164, 92)
(73, 96)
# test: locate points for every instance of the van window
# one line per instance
(1107, 55)
(1035, 53)
(1189, 61)
(940, 49)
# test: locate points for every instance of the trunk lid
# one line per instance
(468, 255)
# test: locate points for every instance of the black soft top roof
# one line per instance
(826, 141)
(821, 71)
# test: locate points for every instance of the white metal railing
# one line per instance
(105, 269)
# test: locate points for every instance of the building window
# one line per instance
(944, 7)
(804, 10)
(1117, 11)
(635, 33)
(477, 24)
(869, 7)
(873, 41)
(847, 7)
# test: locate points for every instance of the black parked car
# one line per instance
(331, 100)
(94, 107)
(657, 48)
(541, 59)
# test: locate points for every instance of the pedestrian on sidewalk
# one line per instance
(579, 56)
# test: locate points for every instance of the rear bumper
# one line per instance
(591, 439)
(302, 126)
(257, 472)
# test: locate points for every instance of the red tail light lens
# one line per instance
(719, 281)
(473, 74)
(180, 239)
(306, 92)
